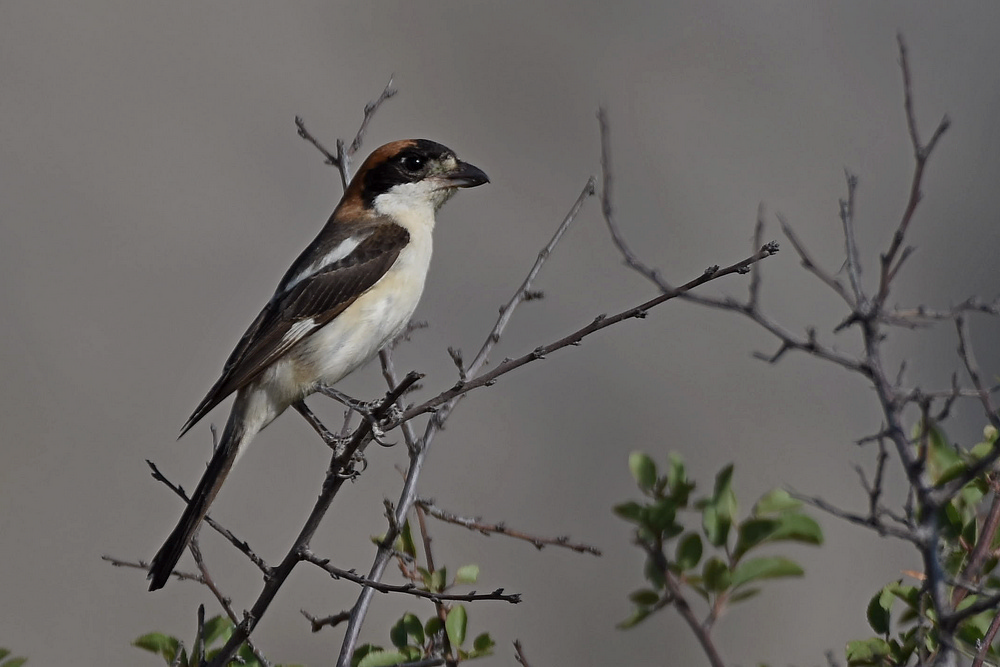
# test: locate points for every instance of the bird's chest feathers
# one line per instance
(375, 318)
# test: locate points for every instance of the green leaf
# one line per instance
(361, 651)
(437, 580)
(644, 597)
(397, 634)
(643, 470)
(775, 502)
(467, 574)
(867, 651)
(798, 528)
(455, 625)
(753, 532)
(724, 496)
(769, 567)
(660, 517)
(744, 594)
(413, 627)
(482, 645)
(157, 642)
(901, 652)
(433, 626)
(412, 653)
(405, 542)
(217, 627)
(676, 475)
(716, 575)
(4, 653)
(630, 511)
(379, 658)
(715, 525)
(878, 612)
(942, 459)
(637, 617)
(14, 662)
(689, 551)
(910, 595)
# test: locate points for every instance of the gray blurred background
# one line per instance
(153, 191)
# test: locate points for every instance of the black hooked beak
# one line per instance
(466, 175)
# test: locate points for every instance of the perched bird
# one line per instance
(351, 291)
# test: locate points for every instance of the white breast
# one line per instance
(357, 334)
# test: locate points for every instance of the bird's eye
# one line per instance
(412, 162)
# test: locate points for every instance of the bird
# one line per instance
(350, 292)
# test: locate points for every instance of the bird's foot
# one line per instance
(379, 425)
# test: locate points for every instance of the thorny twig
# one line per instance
(477, 524)
(342, 159)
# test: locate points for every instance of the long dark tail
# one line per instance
(234, 437)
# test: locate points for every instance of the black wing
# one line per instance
(291, 316)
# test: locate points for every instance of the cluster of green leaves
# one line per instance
(961, 522)
(215, 634)
(413, 640)
(10, 662)
(727, 575)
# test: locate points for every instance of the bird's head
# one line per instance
(410, 175)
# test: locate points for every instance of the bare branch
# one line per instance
(342, 159)
(987, 641)
(224, 602)
(924, 314)
(370, 110)
(502, 529)
(872, 522)
(606, 207)
(600, 322)
(519, 654)
(812, 267)
(677, 600)
(241, 545)
(408, 589)
(921, 152)
(853, 264)
(331, 621)
(758, 240)
(507, 310)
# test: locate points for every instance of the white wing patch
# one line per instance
(297, 331)
(345, 248)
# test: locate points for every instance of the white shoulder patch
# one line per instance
(339, 252)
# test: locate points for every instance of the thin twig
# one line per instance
(477, 525)
(890, 265)
(600, 322)
(519, 654)
(507, 310)
(758, 241)
(987, 641)
(678, 601)
(342, 159)
(853, 264)
(224, 601)
(241, 545)
(409, 589)
(810, 265)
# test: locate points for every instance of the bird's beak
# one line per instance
(466, 175)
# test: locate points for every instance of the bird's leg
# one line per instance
(366, 409)
(331, 439)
